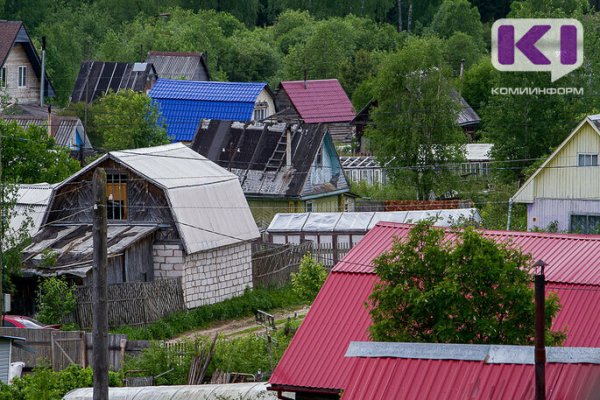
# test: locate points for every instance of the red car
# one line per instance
(18, 321)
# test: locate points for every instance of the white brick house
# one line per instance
(172, 213)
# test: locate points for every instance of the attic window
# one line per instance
(320, 157)
(3, 77)
(116, 193)
(588, 160)
(260, 110)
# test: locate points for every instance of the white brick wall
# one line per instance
(216, 275)
(169, 260)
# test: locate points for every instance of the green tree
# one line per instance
(460, 47)
(31, 155)
(415, 129)
(472, 290)
(308, 280)
(458, 16)
(128, 120)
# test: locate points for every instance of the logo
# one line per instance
(553, 44)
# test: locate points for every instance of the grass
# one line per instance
(202, 317)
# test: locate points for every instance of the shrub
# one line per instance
(55, 300)
(309, 279)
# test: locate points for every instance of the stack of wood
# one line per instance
(200, 363)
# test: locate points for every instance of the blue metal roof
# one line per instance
(207, 91)
(183, 104)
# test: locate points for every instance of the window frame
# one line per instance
(3, 72)
(593, 159)
(309, 206)
(586, 225)
(22, 76)
(117, 207)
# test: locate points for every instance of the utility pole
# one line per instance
(43, 71)
(100, 331)
(540, 340)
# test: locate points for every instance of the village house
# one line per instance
(98, 78)
(563, 194)
(281, 167)
(321, 101)
(185, 104)
(67, 131)
(20, 65)
(322, 362)
(172, 214)
(179, 65)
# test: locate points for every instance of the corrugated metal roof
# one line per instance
(179, 65)
(388, 378)
(183, 104)
(315, 357)
(31, 202)
(64, 129)
(97, 78)
(466, 115)
(320, 100)
(206, 200)
(570, 258)
(242, 92)
(237, 391)
(363, 221)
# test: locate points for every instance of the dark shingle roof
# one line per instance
(97, 78)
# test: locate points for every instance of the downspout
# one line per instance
(510, 204)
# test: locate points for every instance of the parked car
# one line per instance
(19, 321)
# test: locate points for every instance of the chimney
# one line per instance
(288, 147)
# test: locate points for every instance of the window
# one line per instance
(355, 175)
(309, 206)
(320, 157)
(377, 177)
(588, 160)
(260, 111)
(22, 77)
(116, 193)
(3, 77)
(585, 223)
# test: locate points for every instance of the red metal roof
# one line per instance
(315, 357)
(320, 101)
(571, 258)
(387, 378)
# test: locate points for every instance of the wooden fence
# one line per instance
(329, 254)
(272, 264)
(133, 303)
(60, 349)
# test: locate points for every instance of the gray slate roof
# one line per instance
(179, 65)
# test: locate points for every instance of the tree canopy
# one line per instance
(469, 290)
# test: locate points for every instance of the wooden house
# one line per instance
(20, 65)
(172, 213)
(564, 193)
(180, 65)
(281, 167)
(185, 104)
(322, 101)
(98, 78)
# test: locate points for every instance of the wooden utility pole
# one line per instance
(100, 331)
(540, 332)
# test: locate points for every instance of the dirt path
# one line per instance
(242, 327)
